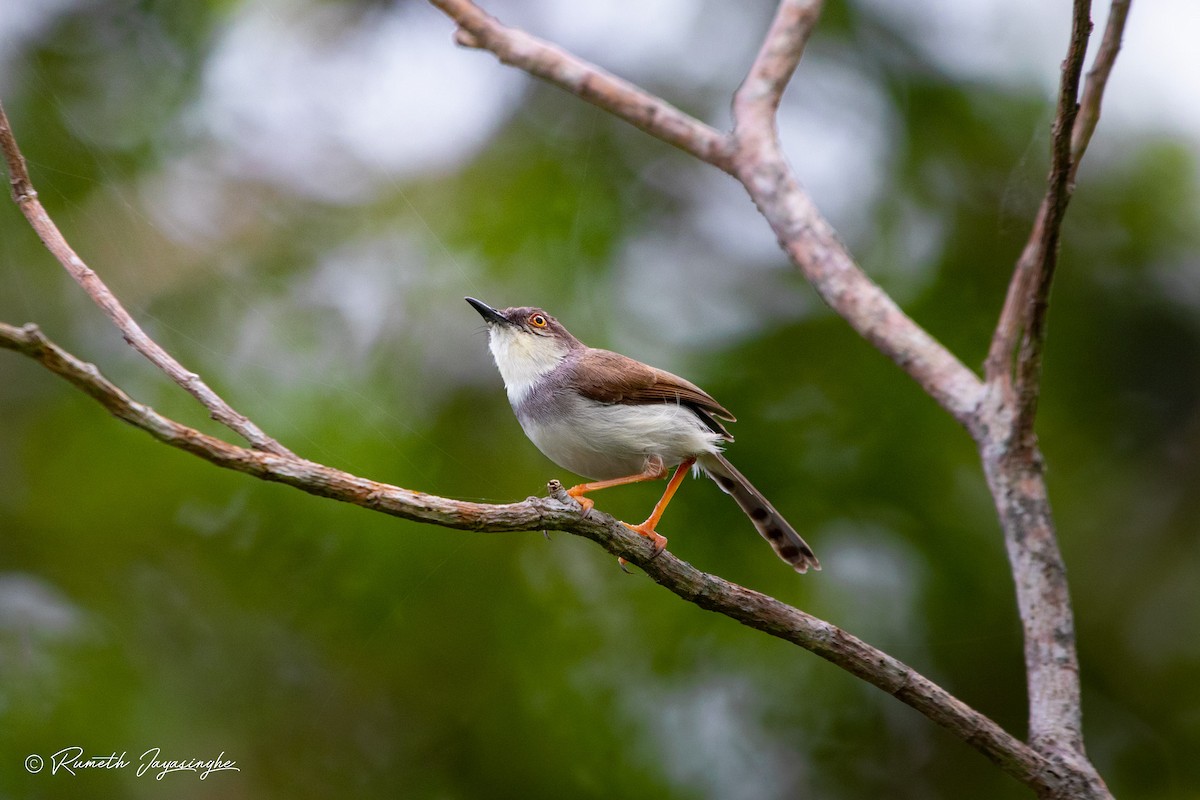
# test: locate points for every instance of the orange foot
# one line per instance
(659, 541)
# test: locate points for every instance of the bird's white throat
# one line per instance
(523, 358)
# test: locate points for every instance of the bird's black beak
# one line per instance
(489, 314)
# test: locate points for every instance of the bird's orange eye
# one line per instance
(538, 321)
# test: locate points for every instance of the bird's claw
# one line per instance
(658, 540)
(586, 504)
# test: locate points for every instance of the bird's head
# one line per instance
(526, 342)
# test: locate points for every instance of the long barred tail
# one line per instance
(770, 523)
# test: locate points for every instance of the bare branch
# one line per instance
(808, 238)
(641, 109)
(560, 512)
(1013, 463)
(1044, 603)
(1023, 316)
(1032, 310)
(27, 200)
(815, 249)
(1011, 457)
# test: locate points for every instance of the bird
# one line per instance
(614, 420)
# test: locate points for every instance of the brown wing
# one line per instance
(613, 378)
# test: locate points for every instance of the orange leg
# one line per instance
(647, 528)
(654, 470)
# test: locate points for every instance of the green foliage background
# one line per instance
(148, 599)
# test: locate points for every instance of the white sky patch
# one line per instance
(628, 36)
(677, 292)
(328, 104)
(1014, 41)
(1157, 75)
(835, 129)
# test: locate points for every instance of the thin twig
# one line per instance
(1023, 316)
(283, 468)
(1032, 314)
(560, 512)
(27, 200)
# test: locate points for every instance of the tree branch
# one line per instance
(1023, 316)
(1011, 458)
(1043, 260)
(560, 512)
(1044, 606)
(808, 238)
(308, 476)
(27, 200)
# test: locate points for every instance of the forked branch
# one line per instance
(1014, 361)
